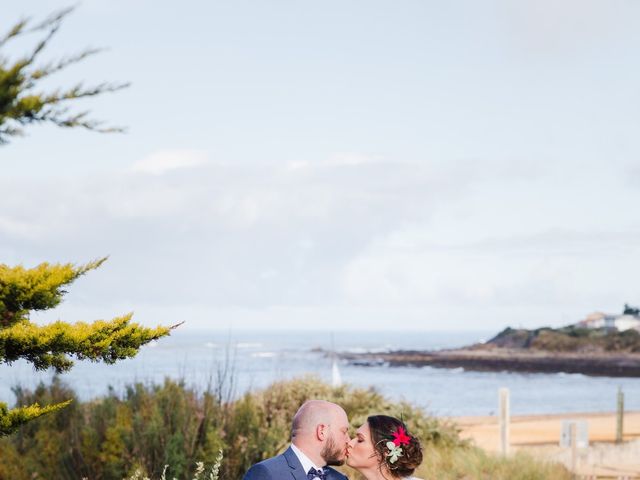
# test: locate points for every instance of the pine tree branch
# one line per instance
(21, 106)
(38, 288)
(52, 20)
(50, 346)
(10, 420)
(54, 67)
(16, 30)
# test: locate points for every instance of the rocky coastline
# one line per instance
(515, 360)
(571, 349)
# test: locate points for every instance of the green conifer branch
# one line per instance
(55, 344)
(10, 420)
(38, 288)
(51, 345)
(21, 105)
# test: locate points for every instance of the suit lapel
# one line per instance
(295, 465)
(333, 474)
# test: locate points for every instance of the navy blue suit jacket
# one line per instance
(285, 467)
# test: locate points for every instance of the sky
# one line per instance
(360, 165)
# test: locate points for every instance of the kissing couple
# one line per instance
(382, 448)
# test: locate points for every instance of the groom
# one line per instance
(319, 437)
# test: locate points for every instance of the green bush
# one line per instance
(150, 426)
(568, 339)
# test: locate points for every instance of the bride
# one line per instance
(383, 449)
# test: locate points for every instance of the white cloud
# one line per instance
(468, 239)
(544, 275)
(215, 234)
(14, 227)
(351, 158)
(339, 159)
(167, 160)
(567, 27)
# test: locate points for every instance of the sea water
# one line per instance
(253, 360)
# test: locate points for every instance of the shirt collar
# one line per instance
(307, 464)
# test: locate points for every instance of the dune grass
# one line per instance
(147, 427)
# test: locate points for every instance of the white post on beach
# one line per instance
(504, 420)
(620, 416)
(574, 445)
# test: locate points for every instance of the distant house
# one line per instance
(627, 322)
(593, 320)
(614, 322)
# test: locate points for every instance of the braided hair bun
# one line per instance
(385, 429)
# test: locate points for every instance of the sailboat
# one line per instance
(336, 378)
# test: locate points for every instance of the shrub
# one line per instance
(150, 426)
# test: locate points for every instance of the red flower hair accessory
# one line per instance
(400, 437)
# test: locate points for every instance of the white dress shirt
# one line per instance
(307, 464)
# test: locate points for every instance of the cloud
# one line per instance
(341, 159)
(167, 160)
(566, 28)
(17, 228)
(226, 235)
(351, 158)
(351, 235)
(551, 272)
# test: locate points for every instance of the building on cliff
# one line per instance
(620, 323)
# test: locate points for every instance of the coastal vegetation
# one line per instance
(567, 339)
(599, 333)
(144, 428)
(604, 351)
(23, 290)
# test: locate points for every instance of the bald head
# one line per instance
(314, 413)
(321, 430)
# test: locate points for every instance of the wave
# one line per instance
(368, 349)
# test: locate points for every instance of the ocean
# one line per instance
(256, 359)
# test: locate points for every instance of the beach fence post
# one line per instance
(574, 435)
(574, 446)
(620, 416)
(504, 420)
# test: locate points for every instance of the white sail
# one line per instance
(336, 379)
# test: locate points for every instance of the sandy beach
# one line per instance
(540, 435)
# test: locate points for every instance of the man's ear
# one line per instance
(320, 431)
